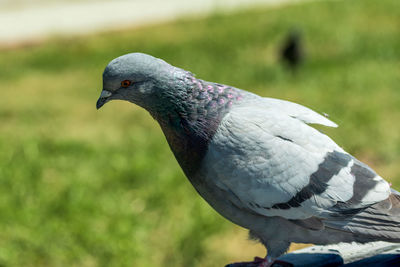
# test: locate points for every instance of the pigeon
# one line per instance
(257, 160)
(291, 52)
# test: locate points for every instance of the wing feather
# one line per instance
(298, 111)
(279, 166)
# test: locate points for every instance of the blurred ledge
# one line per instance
(370, 254)
(375, 254)
(28, 23)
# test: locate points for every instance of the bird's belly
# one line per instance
(270, 228)
(223, 204)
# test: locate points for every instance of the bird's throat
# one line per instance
(191, 124)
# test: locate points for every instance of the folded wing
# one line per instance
(277, 165)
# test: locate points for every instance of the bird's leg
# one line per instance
(274, 248)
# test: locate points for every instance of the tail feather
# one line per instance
(380, 221)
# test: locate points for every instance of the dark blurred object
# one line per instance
(291, 51)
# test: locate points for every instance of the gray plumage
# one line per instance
(257, 161)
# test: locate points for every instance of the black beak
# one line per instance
(100, 102)
(104, 97)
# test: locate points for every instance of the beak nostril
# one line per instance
(105, 94)
(103, 98)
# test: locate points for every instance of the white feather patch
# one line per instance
(381, 191)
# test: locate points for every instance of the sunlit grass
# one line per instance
(80, 187)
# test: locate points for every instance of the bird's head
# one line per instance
(138, 78)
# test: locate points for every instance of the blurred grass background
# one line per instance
(80, 187)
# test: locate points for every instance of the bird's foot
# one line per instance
(261, 262)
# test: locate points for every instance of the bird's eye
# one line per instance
(125, 83)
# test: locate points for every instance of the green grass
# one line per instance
(80, 187)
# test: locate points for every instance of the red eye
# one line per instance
(125, 83)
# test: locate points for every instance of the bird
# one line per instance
(259, 161)
(291, 51)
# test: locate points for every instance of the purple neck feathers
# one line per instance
(190, 125)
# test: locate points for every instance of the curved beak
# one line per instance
(104, 97)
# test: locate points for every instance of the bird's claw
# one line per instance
(261, 262)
